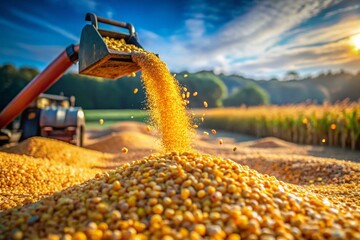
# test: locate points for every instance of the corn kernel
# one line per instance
(185, 193)
(124, 150)
(158, 209)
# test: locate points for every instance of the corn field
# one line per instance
(332, 125)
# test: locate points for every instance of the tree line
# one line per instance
(217, 89)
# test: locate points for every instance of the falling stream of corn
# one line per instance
(181, 194)
(166, 106)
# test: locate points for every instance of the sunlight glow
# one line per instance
(356, 42)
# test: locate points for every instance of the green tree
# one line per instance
(210, 88)
(12, 81)
(292, 75)
(251, 95)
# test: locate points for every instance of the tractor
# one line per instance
(51, 116)
(54, 116)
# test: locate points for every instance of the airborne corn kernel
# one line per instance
(205, 104)
(124, 150)
(136, 90)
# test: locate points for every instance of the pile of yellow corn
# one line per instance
(303, 170)
(59, 152)
(177, 196)
(337, 180)
(38, 167)
(26, 179)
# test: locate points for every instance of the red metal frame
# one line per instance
(38, 85)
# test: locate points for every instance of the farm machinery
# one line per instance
(52, 116)
(95, 59)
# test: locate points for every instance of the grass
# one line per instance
(112, 116)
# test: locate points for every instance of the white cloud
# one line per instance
(341, 11)
(324, 34)
(263, 26)
(304, 51)
(251, 35)
(43, 23)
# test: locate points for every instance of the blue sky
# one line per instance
(258, 38)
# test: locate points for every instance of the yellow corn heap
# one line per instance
(59, 152)
(177, 196)
(50, 166)
(25, 179)
(167, 110)
(336, 180)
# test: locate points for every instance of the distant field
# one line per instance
(111, 116)
(333, 125)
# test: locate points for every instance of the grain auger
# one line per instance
(94, 57)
